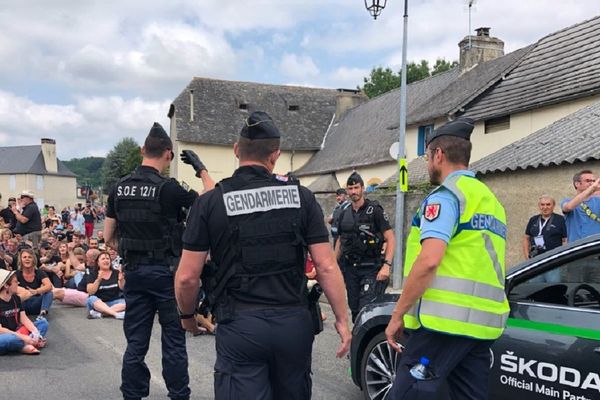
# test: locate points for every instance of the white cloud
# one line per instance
(91, 126)
(298, 67)
(347, 77)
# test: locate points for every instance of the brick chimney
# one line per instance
(49, 153)
(478, 49)
(347, 99)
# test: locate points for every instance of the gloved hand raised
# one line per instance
(191, 158)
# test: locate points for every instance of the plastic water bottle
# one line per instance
(419, 371)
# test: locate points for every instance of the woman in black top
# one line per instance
(35, 289)
(104, 287)
(17, 332)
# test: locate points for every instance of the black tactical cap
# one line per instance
(355, 179)
(340, 191)
(158, 134)
(461, 127)
(259, 125)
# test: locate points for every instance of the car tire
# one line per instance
(378, 368)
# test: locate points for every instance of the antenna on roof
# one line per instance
(470, 3)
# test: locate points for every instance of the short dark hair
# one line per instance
(577, 176)
(155, 147)
(457, 150)
(257, 149)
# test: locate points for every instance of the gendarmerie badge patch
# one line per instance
(432, 211)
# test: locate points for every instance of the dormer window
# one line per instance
(293, 107)
(244, 106)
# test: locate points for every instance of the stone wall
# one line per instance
(518, 191)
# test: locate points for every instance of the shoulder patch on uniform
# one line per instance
(432, 211)
(281, 178)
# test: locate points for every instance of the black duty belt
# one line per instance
(363, 263)
(240, 306)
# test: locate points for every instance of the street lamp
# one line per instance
(376, 7)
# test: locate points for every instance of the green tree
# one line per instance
(416, 72)
(134, 158)
(441, 65)
(119, 162)
(383, 80)
(87, 169)
(380, 81)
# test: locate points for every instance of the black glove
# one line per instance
(190, 157)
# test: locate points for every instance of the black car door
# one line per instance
(551, 346)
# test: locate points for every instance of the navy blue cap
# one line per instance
(461, 127)
(355, 179)
(340, 191)
(157, 132)
(259, 125)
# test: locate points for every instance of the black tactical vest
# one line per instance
(267, 263)
(360, 240)
(145, 231)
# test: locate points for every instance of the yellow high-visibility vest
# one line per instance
(467, 295)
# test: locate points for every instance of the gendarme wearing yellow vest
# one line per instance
(467, 295)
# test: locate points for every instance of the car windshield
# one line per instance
(575, 283)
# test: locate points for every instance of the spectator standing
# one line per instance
(78, 222)
(582, 212)
(545, 231)
(7, 214)
(29, 220)
(89, 217)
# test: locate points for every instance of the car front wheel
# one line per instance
(378, 368)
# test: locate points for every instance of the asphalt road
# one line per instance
(83, 361)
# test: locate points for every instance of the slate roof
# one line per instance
(218, 117)
(365, 133)
(570, 139)
(324, 184)
(562, 66)
(27, 160)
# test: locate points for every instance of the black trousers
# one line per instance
(265, 355)
(148, 289)
(463, 363)
(362, 285)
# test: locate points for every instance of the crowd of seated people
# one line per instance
(69, 266)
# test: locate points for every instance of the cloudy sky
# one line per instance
(90, 72)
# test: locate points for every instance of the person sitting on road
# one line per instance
(104, 287)
(35, 288)
(49, 262)
(80, 264)
(74, 293)
(17, 332)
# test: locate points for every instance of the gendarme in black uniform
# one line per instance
(361, 240)
(147, 209)
(257, 226)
